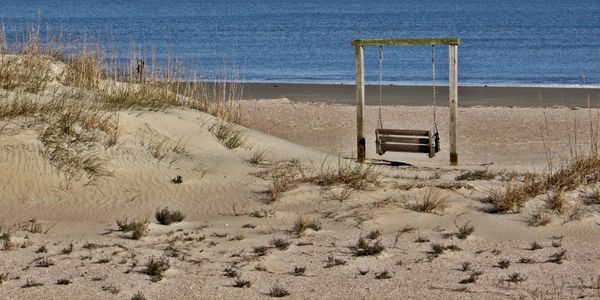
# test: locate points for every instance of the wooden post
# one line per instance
(360, 104)
(453, 101)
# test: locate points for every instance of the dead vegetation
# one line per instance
(429, 202)
(167, 217)
(304, 223)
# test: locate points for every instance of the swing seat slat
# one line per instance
(407, 140)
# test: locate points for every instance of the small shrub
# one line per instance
(429, 203)
(63, 282)
(510, 200)
(258, 156)
(503, 264)
(332, 262)
(421, 239)
(515, 278)
(155, 267)
(465, 266)
(437, 248)
(383, 275)
(44, 263)
(177, 179)
(67, 250)
(476, 175)
(280, 244)
(557, 201)
(364, 247)
(558, 257)
(473, 277)
(166, 217)
(103, 260)
(525, 260)
(464, 231)
(240, 283)
(535, 246)
(262, 213)
(31, 283)
(251, 226)
(280, 183)
(139, 229)
(278, 291)
(260, 250)
(42, 249)
(299, 271)
(539, 218)
(353, 175)
(304, 223)
(230, 272)
(374, 234)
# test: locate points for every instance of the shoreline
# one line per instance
(469, 96)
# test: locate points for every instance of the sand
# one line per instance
(221, 191)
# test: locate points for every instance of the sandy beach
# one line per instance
(282, 210)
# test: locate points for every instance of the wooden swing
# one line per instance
(407, 140)
(403, 140)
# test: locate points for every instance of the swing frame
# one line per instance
(452, 85)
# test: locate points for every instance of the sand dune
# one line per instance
(231, 210)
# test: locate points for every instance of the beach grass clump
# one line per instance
(429, 202)
(156, 267)
(280, 182)
(138, 228)
(277, 291)
(346, 172)
(578, 171)
(280, 244)
(464, 231)
(167, 217)
(228, 134)
(538, 218)
(258, 155)
(367, 247)
(476, 175)
(304, 223)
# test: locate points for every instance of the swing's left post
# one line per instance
(360, 103)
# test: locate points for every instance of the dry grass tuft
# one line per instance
(228, 134)
(557, 201)
(258, 155)
(539, 218)
(366, 247)
(477, 175)
(303, 223)
(156, 267)
(278, 291)
(430, 202)
(280, 244)
(353, 175)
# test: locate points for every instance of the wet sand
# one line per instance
(422, 95)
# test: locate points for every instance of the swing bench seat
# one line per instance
(407, 140)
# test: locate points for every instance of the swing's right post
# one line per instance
(453, 99)
(360, 104)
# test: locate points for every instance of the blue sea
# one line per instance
(504, 42)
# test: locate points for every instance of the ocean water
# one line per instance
(504, 42)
